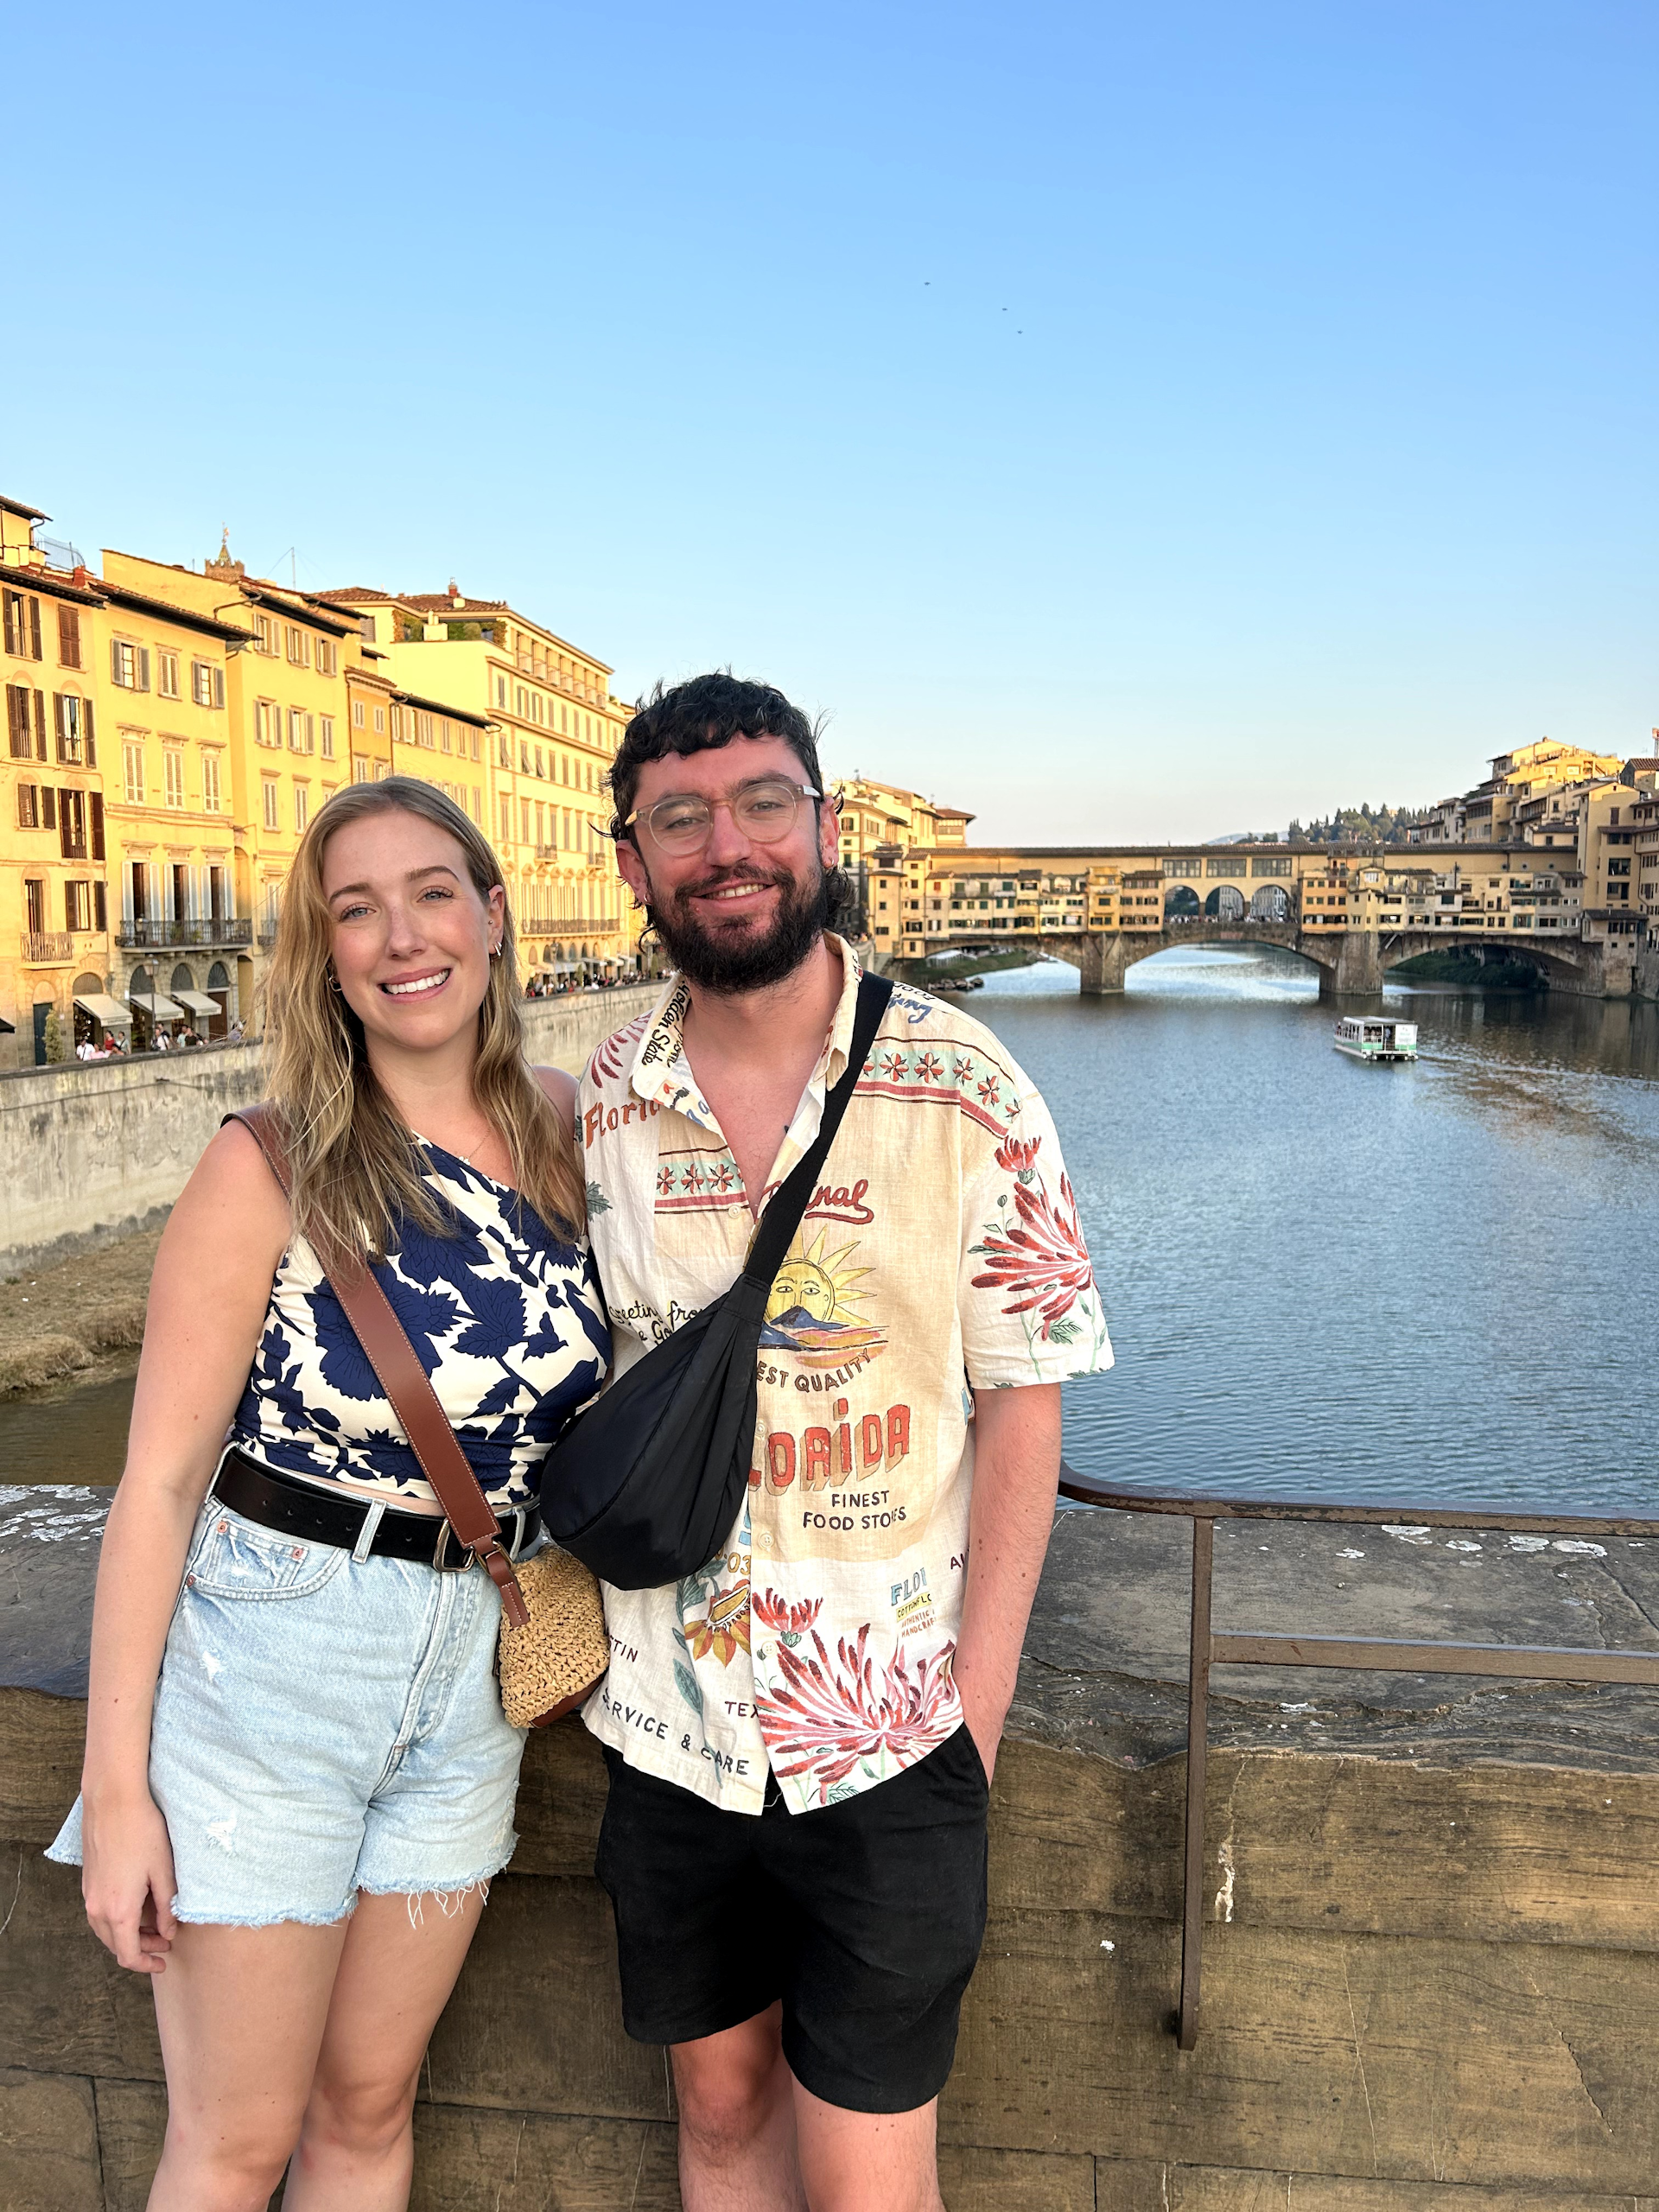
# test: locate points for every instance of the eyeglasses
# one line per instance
(764, 811)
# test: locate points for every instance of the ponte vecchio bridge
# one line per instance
(1351, 912)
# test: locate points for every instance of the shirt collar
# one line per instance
(662, 1075)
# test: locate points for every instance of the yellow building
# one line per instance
(551, 731)
(55, 906)
(287, 697)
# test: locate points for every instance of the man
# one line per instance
(800, 1737)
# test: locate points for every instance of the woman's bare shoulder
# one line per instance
(561, 1089)
(231, 1195)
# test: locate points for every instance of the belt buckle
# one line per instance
(440, 1551)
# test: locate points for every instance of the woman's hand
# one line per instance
(127, 1882)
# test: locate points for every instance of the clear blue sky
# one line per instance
(1119, 420)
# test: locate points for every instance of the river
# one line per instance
(1408, 1284)
(1422, 1283)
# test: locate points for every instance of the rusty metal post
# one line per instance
(1198, 1713)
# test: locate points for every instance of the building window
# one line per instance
(301, 805)
(210, 783)
(206, 683)
(501, 687)
(267, 722)
(302, 731)
(357, 714)
(68, 636)
(299, 647)
(27, 733)
(129, 665)
(28, 806)
(273, 819)
(74, 717)
(359, 768)
(167, 675)
(327, 657)
(132, 767)
(22, 624)
(265, 634)
(380, 721)
(327, 737)
(78, 907)
(443, 733)
(173, 772)
(71, 824)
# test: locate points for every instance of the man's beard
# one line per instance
(735, 960)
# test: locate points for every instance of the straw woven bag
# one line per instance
(549, 1666)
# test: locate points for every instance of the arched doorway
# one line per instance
(219, 990)
(1226, 904)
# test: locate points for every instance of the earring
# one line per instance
(333, 980)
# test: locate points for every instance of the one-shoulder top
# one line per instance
(506, 1316)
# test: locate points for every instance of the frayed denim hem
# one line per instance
(298, 1917)
(448, 1896)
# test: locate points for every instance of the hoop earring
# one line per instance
(333, 980)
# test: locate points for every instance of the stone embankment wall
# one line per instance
(1432, 1962)
(98, 1150)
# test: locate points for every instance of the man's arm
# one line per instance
(1016, 1476)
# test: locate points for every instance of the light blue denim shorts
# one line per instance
(323, 1726)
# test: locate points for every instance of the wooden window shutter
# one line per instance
(12, 604)
(48, 807)
(143, 668)
(66, 824)
(34, 629)
(86, 730)
(95, 799)
(69, 637)
(57, 723)
(40, 725)
(100, 907)
(17, 721)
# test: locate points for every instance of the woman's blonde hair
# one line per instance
(356, 1170)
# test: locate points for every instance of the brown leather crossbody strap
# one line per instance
(386, 1343)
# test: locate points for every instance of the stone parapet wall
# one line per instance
(1432, 1955)
(96, 1150)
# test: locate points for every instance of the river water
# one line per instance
(1412, 1284)
(1417, 1284)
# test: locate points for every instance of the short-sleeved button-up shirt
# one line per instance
(940, 1255)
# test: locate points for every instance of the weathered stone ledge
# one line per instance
(1430, 1974)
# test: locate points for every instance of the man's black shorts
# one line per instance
(864, 1916)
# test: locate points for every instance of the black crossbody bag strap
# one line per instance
(794, 1194)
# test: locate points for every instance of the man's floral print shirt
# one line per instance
(941, 1256)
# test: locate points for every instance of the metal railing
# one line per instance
(48, 948)
(1209, 1647)
(228, 930)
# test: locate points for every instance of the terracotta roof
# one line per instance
(16, 507)
(442, 707)
(439, 602)
(350, 595)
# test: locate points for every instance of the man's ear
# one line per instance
(830, 830)
(631, 870)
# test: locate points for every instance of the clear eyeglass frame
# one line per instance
(764, 811)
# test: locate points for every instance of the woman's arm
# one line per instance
(207, 1301)
(562, 1090)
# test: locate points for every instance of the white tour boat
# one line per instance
(1375, 1037)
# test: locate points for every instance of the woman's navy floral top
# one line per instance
(508, 1320)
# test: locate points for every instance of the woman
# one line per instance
(299, 1779)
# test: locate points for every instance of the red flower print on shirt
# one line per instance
(928, 1066)
(989, 1091)
(895, 1067)
(1041, 1257)
(664, 1181)
(829, 1715)
(790, 1621)
(724, 1177)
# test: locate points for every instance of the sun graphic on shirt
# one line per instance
(816, 1282)
(813, 1309)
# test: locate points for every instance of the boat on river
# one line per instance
(1375, 1037)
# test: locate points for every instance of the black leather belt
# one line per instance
(302, 1510)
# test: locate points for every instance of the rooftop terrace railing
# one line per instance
(1208, 1647)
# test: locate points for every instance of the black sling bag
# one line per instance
(645, 1486)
